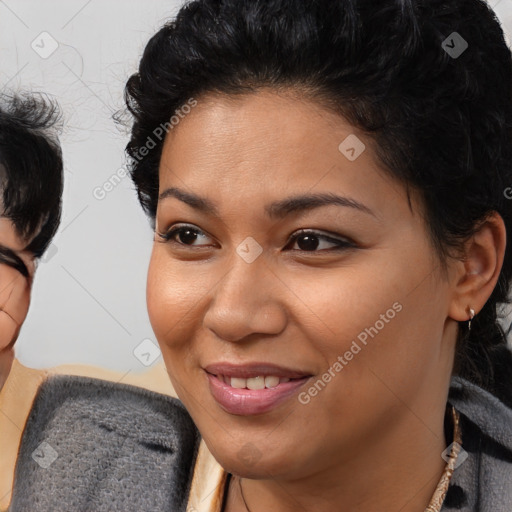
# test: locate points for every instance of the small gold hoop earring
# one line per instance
(471, 316)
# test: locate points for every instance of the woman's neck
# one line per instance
(398, 469)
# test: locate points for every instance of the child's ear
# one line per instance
(478, 273)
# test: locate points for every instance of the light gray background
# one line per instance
(88, 304)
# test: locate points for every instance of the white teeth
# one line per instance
(237, 383)
(271, 381)
(256, 383)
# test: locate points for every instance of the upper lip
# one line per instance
(257, 369)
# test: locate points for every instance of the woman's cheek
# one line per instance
(173, 298)
(161, 299)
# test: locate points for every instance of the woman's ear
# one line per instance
(477, 274)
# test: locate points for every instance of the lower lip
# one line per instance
(246, 402)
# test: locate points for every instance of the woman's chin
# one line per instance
(257, 463)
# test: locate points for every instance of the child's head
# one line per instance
(31, 183)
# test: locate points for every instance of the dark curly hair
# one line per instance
(439, 122)
(31, 172)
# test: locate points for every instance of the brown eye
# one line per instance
(183, 235)
(309, 241)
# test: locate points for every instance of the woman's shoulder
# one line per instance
(79, 432)
(482, 479)
(115, 445)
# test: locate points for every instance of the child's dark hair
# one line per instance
(439, 115)
(31, 172)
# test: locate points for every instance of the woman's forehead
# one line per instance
(229, 157)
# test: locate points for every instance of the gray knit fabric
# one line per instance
(483, 482)
(96, 446)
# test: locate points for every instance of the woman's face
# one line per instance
(355, 309)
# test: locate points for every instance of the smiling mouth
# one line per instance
(254, 387)
(254, 383)
(253, 370)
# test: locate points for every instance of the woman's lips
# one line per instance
(269, 384)
(254, 369)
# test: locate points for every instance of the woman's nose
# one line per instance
(248, 300)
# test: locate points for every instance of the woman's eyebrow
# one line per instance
(278, 209)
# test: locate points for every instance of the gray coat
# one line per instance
(483, 482)
(96, 446)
